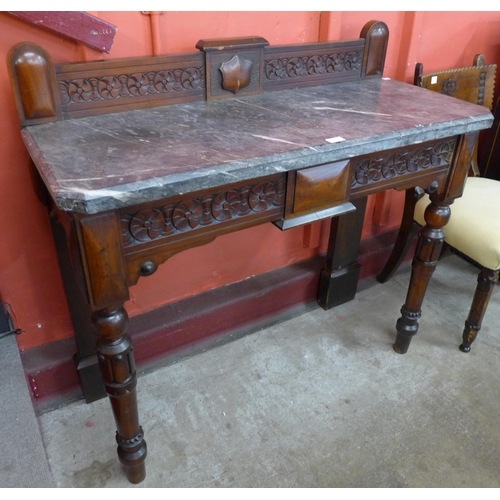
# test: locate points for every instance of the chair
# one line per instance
(489, 163)
(474, 228)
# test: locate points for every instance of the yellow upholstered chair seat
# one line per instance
(474, 226)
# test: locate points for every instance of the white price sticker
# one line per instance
(335, 139)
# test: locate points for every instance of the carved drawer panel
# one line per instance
(215, 210)
(394, 167)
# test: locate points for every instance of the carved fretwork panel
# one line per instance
(372, 169)
(91, 87)
(325, 63)
(321, 64)
(110, 87)
(192, 214)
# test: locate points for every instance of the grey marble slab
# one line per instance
(110, 161)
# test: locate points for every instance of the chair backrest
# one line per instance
(474, 84)
(489, 162)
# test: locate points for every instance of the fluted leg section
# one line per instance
(116, 360)
(429, 247)
(485, 284)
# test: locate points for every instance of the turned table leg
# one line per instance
(485, 284)
(429, 246)
(99, 243)
(116, 360)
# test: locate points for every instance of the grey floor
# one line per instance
(320, 400)
(23, 461)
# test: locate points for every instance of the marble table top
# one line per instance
(115, 160)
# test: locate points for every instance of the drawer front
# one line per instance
(318, 188)
(317, 193)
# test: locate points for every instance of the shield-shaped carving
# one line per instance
(236, 74)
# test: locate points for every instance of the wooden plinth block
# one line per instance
(339, 286)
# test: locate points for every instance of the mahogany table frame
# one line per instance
(99, 268)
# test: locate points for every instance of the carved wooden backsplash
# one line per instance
(222, 69)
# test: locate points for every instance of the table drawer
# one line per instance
(317, 193)
(317, 188)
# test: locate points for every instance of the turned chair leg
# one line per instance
(485, 284)
(405, 236)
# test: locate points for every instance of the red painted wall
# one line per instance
(29, 276)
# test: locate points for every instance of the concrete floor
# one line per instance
(321, 400)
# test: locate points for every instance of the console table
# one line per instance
(145, 157)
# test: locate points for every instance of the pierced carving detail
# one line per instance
(387, 166)
(187, 215)
(292, 67)
(111, 87)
